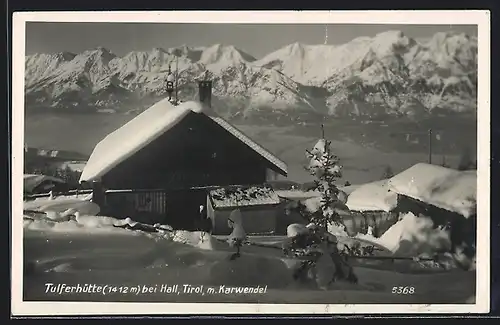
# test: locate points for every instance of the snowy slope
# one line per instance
(390, 73)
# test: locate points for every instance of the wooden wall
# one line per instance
(256, 219)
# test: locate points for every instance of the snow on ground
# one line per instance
(43, 199)
(442, 187)
(412, 236)
(372, 197)
(92, 248)
(63, 203)
(91, 224)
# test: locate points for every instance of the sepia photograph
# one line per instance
(316, 162)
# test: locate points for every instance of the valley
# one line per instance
(365, 149)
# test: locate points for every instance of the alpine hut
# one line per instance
(446, 196)
(159, 167)
(36, 184)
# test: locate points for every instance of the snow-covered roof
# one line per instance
(31, 181)
(144, 129)
(240, 196)
(374, 196)
(445, 188)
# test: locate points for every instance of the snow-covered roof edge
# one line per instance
(146, 127)
(252, 144)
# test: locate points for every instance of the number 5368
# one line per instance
(403, 290)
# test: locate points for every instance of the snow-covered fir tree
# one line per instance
(324, 166)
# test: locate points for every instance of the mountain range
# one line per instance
(388, 74)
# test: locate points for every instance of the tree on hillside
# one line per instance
(324, 167)
(388, 173)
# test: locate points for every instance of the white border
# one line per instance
(472, 17)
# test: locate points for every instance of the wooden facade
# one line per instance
(257, 219)
(258, 205)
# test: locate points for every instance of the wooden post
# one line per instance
(430, 146)
(98, 194)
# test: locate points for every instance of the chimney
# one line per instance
(205, 92)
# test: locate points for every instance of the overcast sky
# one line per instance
(255, 39)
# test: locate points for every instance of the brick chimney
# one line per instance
(205, 92)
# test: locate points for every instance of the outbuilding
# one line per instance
(257, 204)
(445, 195)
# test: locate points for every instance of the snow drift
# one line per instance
(61, 204)
(91, 224)
(413, 236)
(177, 253)
(445, 188)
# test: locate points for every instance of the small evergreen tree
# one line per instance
(388, 173)
(324, 166)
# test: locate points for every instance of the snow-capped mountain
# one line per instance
(386, 74)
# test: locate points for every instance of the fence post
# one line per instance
(98, 194)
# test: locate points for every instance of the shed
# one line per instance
(35, 184)
(373, 205)
(160, 165)
(257, 204)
